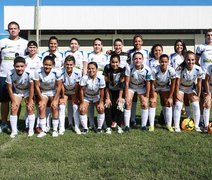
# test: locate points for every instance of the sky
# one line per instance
(96, 3)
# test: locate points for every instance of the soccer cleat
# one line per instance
(41, 134)
(13, 135)
(85, 131)
(177, 129)
(99, 131)
(197, 129)
(126, 129)
(5, 128)
(55, 134)
(108, 130)
(77, 130)
(114, 124)
(151, 128)
(205, 129)
(170, 129)
(30, 133)
(61, 132)
(144, 128)
(48, 129)
(119, 130)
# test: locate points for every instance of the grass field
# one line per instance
(137, 155)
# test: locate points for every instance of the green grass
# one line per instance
(137, 155)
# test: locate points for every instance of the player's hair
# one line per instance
(114, 55)
(137, 36)
(183, 44)
(73, 39)
(70, 58)
(97, 39)
(151, 54)
(52, 38)
(117, 40)
(19, 59)
(164, 56)
(136, 54)
(93, 63)
(207, 31)
(50, 57)
(13, 22)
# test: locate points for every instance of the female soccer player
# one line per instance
(101, 59)
(81, 63)
(207, 98)
(156, 52)
(186, 75)
(70, 90)
(22, 82)
(48, 86)
(114, 77)
(138, 81)
(53, 49)
(162, 83)
(92, 91)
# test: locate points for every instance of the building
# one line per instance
(162, 22)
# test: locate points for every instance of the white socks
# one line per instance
(168, 116)
(55, 123)
(196, 113)
(48, 117)
(177, 114)
(13, 123)
(31, 119)
(144, 117)
(62, 109)
(84, 121)
(127, 114)
(151, 116)
(43, 124)
(76, 115)
(100, 120)
(206, 116)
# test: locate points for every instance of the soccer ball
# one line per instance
(187, 124)
(210, 128)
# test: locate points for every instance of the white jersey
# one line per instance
(79, 56)
(20, 83)
(59, 61)
(70, 81)
(91, 87)
(139, 77)
(9, 48)
(209, 72)
(145, 53)
(47, 82)
(205, 52)
(33, 64)
(101, 60)
(188, 78)
(176, 60)
(162, 79)
(152, 63)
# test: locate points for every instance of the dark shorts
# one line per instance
(4, 95)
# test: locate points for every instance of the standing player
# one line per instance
(204, 56)
(48, 86)
(156, 51)
(92, 91)
(70, 90)
(9, 48)
(114, 77)
(22, 82)
(138, 81)
(138, 43)
(186, 75)
(81, 63)
(162, 83)
(101, 59)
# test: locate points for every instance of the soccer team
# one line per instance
(111, 82)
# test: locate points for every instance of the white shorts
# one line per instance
(92, 99)
(138, 90)
(22, 95)
(50, 93)
(162, 88)
(187, 90)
